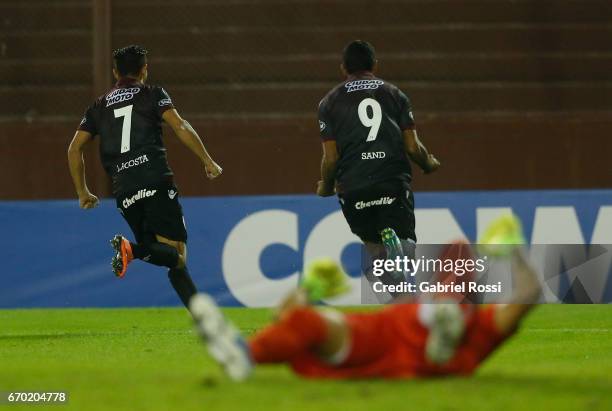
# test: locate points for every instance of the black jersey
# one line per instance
(128, 120)
(366, 115)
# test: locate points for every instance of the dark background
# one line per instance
(508, 94)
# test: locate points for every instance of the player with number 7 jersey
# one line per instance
(128, 120)
(369, 138)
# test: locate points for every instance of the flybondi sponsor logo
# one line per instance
(132, 163)
(121, 94)
(144, 193)
(360, 205)
(363, 85)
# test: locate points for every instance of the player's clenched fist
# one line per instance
(213, 170)
(432, 164)
(88, 200)
(324, 190)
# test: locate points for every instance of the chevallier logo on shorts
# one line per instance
(138, 196)
(381, 201)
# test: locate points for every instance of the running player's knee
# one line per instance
(182, 261)
(181, 249)
(148, 239)
(179, 246)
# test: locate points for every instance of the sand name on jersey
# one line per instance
(363, 85)
(360, 205)
(144, 193)
(371, 155)
(121, 94)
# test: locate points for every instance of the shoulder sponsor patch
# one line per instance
(165, 102)
(322, 125)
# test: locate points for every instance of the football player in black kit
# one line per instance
(368, 134)
(128, 119)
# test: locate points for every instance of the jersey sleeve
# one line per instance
(406, 118)
(324, 122)
(163, 101)
(88, 122)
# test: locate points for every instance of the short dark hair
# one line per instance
(358, 55)
(130, 60)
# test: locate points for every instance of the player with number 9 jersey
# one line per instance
(366, 116)
(369, 137)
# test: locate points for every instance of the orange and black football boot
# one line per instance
(123, 257)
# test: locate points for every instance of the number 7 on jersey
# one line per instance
(126, 113)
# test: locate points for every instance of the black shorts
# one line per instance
(385, 205)
(154, 210)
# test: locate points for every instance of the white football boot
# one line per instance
(224, 342)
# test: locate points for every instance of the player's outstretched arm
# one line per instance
(418, 153)
(325, 186)
(189, 137)
(526, 294)
(77, 169)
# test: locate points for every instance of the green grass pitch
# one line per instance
(150, 359)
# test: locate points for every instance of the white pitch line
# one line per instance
(96, 334)
(589, 330)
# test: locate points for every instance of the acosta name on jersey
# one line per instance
(132, 163)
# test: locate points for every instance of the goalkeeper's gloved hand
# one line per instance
(324, 278)
(502, 236)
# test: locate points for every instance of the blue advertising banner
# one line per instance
(251, 250)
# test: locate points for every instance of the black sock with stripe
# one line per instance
(156, 253)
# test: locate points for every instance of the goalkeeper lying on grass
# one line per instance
(399, 341)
